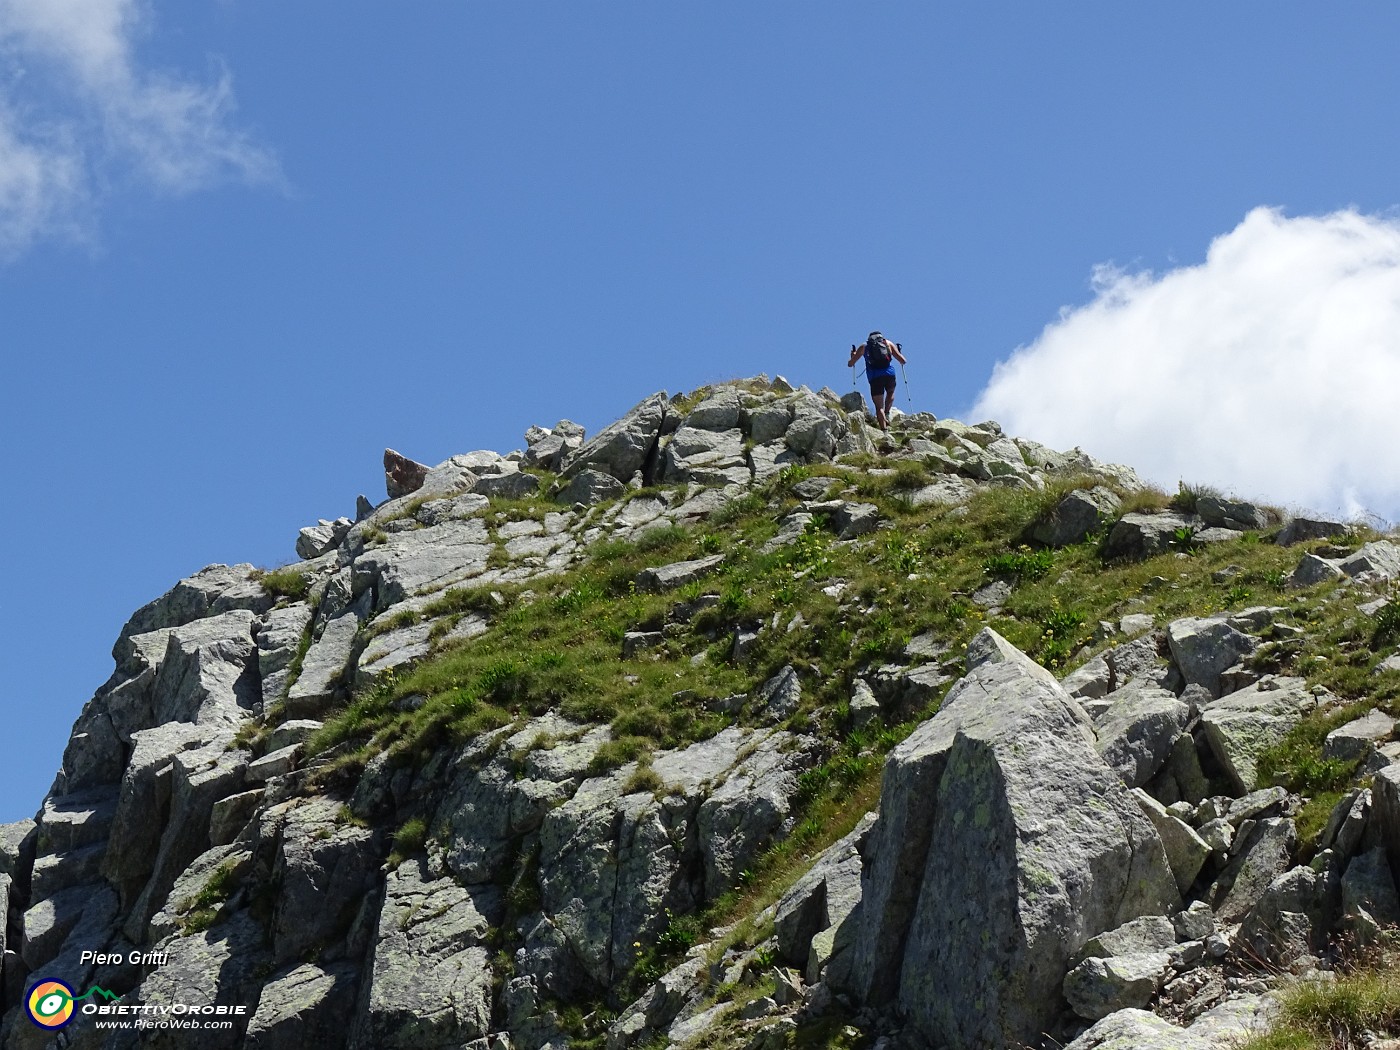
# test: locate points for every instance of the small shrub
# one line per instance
(785, 479)
(248, 737)
(1023, 563)
(289, 582)
(952, 610)
(1237, 595)
(1312, 819)
(810, 552)
(1387, 629)
(750, 502)
(1058, 633)
(346, 815)
(579, 597)
(1143, 501)
(1062, 623)
(617, 753)
(408, 840)
(547, 660)
(910, 474)
(734, 600)
(470, 600)
(902, 554)
(1184, 539)
(499, 678)
(644, 721)
(299, 657)
(1296, 762)
(1188, 496)
(681, 932)
(644, 779)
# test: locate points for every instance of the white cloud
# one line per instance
(78, 112)
(42, 188)
(1271, 370)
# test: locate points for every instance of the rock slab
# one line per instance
(974, 954)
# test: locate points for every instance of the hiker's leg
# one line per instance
(876, 400)
(884, 398)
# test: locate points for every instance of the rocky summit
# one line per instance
(739, 723)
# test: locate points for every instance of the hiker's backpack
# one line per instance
(877, 352)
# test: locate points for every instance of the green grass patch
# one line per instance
(1296, 762)
(289, 582)
(202, 910)
(1023, 563)
(1340, 1013)
(409, 839)
(1312, 819)
(1143, 501)
(661, 538)
(1387, 629)
(903, 476)
(617, 753)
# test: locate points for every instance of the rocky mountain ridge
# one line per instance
(384, 797)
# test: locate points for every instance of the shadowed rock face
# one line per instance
(401, 474)
(1004, 843)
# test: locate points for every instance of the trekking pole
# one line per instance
(907, 396)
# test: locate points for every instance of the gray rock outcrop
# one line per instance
(1302, 529)
(303, 1007)
(1143, 535)
(1137, 1029)
(623, 448)
(974, 955)
(615, 859)
(548, 448)
(429, 982)
(315, 540)
(1138, 729)
(1241, 725)
(1205, 647)
(1077, 515)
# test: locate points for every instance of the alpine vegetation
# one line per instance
(742, 723)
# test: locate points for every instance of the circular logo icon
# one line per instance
(50, 1004)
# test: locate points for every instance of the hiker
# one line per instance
(880, 356)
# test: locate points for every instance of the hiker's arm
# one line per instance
(897, 355)
(855, 352)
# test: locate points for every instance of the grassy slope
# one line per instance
(556, 645)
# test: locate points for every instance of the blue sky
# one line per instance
(245, 246)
